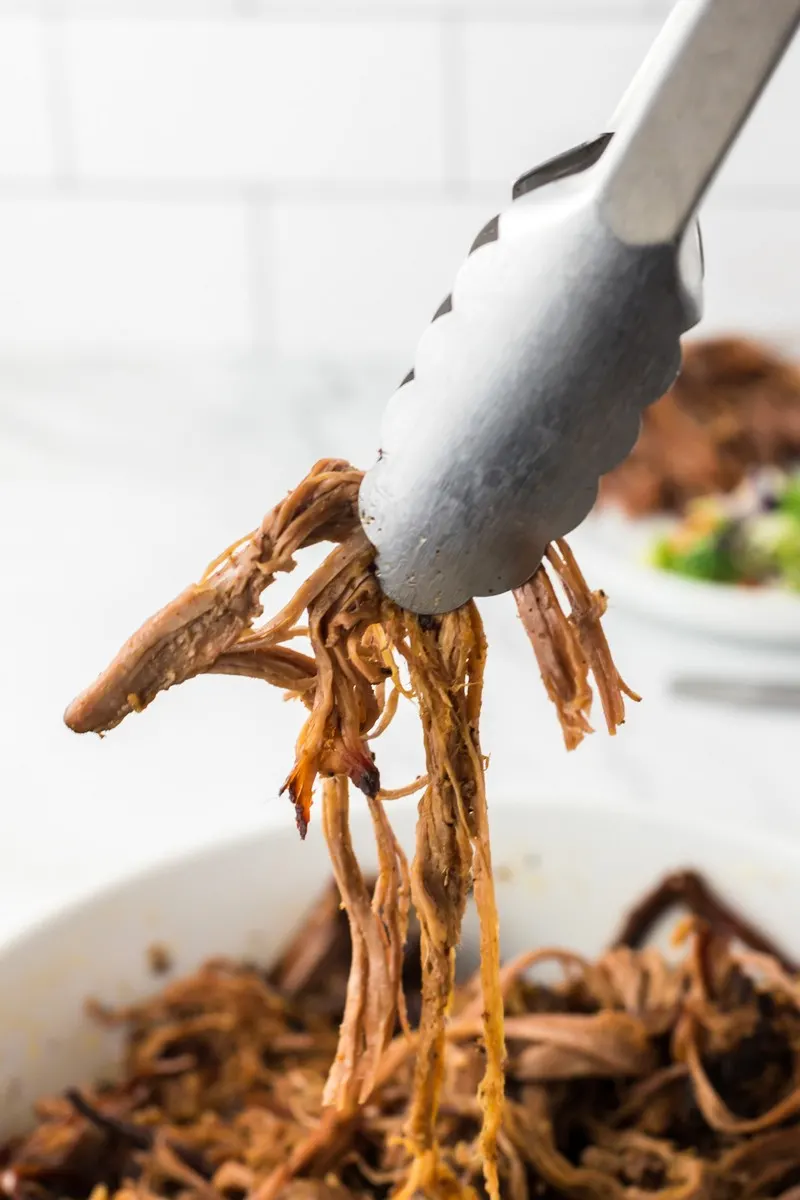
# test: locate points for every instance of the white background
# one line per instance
(305, 176)
(222, 227)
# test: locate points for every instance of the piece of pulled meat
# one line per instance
(629, 1078)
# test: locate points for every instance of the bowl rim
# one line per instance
(763, 616)
(771, 845)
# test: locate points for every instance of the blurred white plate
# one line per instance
(613, 551)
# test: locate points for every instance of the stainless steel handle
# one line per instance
(684, 109)
(672, 32)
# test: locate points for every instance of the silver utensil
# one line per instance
(564, 322)
(739, 693)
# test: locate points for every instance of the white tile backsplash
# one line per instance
(751, 260)
(304, 175)
(122, 275)
(347, 101)
(365, 276)
(535, 89)
(25, 143)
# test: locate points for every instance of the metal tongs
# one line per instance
(564, 322)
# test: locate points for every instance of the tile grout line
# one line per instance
(453, 92)
(260, 282)
(52, 17)
(205, 190)
(316, 11)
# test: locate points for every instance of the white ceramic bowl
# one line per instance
(613, 549)
(565, 871)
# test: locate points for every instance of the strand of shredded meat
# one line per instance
(631, 1078)
(350, 682)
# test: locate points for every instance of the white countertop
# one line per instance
(118, 483)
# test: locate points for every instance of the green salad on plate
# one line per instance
(750, 537)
